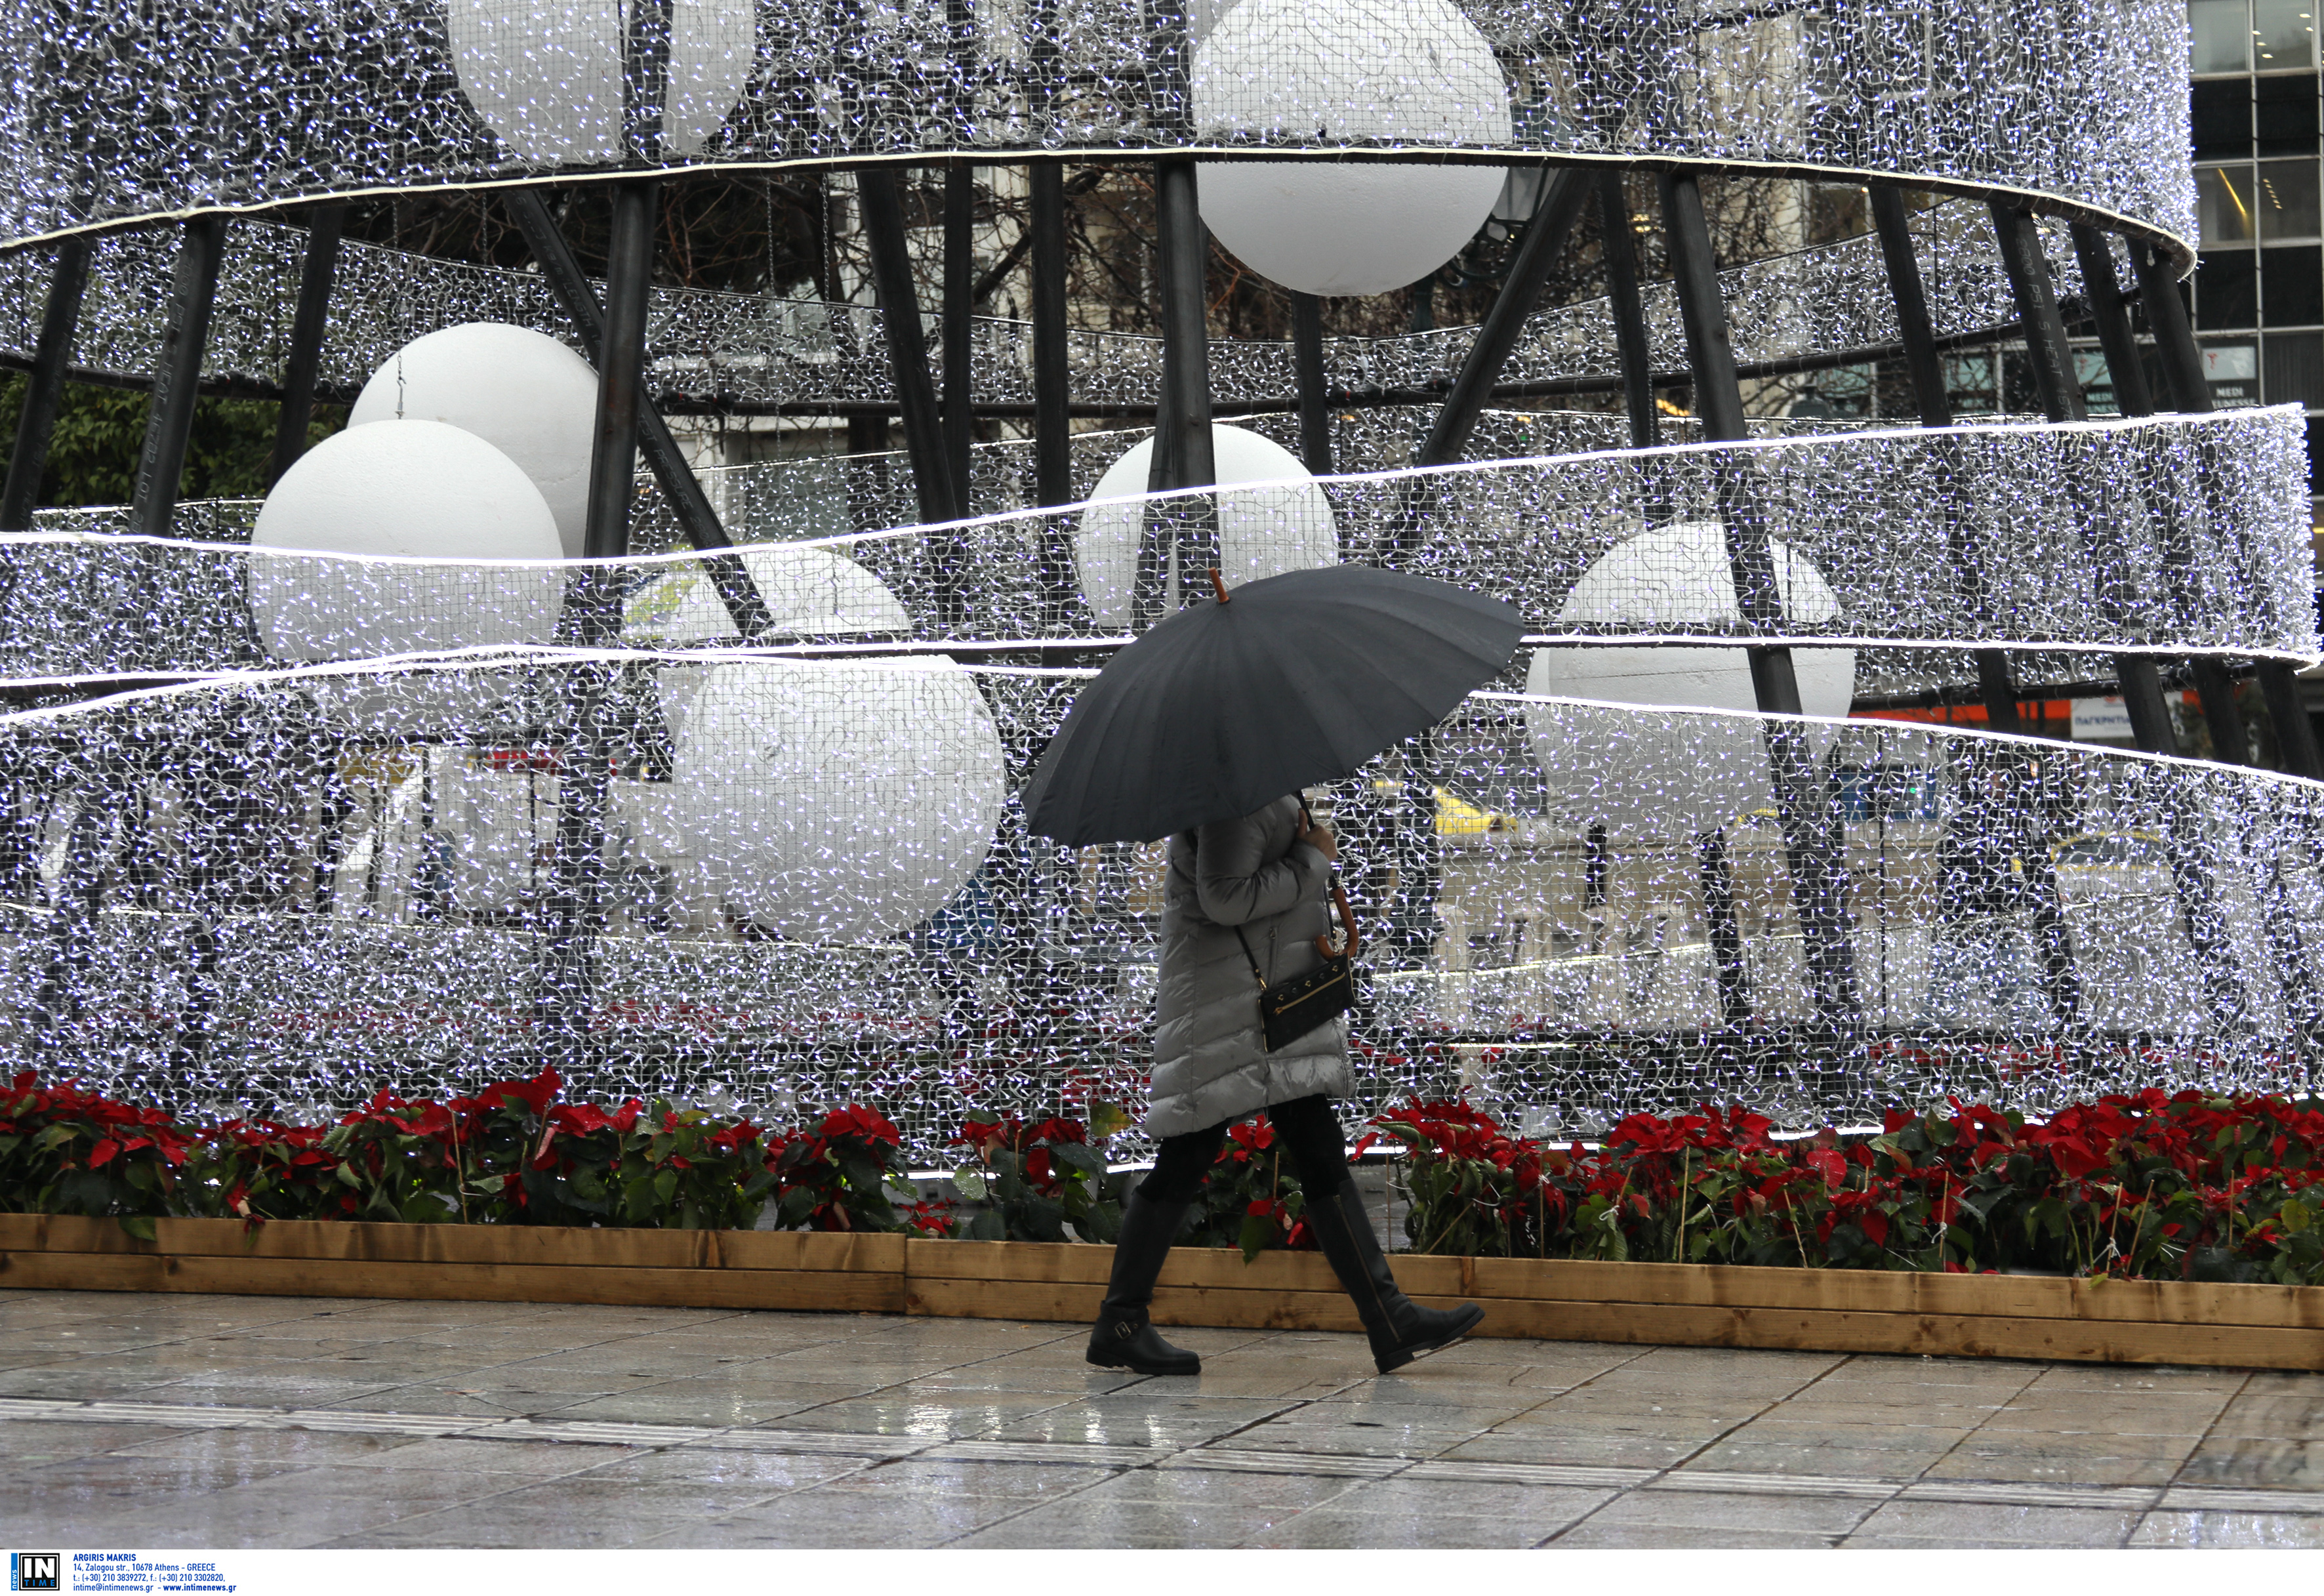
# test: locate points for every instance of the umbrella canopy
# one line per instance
(1226, 706)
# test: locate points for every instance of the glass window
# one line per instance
(2287, 199)
(2226, 289)
(2222, 30)
(2224, 205)
(2283, 35)
(2219, 116)
(2234, 372)
(2291, 284)
(2283, 116)
(2295, 369)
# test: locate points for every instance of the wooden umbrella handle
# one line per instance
(1348, 920)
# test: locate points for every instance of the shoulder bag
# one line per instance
(1292, 1007)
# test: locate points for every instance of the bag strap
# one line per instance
(1255, 976)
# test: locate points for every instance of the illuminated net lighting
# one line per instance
(338, 823)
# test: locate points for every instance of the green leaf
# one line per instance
(138, 1225)
(1258, 1230)
(1072, 1155)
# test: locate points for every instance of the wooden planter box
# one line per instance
(1669, 1305)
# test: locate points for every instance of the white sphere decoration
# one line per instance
(1679, 775)
(1285, 525)
(807, 591)
(1413, 72)
(412, 491)
(837, 801)
(545, 75)
(522, 392)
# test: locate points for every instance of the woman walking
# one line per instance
(1244, 905)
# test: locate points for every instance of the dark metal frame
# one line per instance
(36, 423)
(2189, 391)
(1806, 811)
(316, 270)
(683, 490)
(177, 376)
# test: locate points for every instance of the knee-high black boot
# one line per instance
(1399, 1328)
(1123, 1336)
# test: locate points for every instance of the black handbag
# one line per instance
(1292, 1007)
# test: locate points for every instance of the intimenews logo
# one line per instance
(35, 1571)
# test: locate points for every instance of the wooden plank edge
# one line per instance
(1483, 1280)
(786, 1290)
(1255, 1306)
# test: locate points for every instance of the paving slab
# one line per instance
(228, 1422)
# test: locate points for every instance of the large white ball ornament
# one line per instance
(1413, 72)
(1678, 775)
(522, 392)
(1285, 525)
(411, 491)
(830, 802)
(545, 75)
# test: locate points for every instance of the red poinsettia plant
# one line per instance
(1043, 1178)
(837, 1176)
(2166, 1186)
(64, 1149)
(2152, 1184)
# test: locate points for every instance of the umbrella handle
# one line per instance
(1347, 919)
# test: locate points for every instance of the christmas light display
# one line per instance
(378, 782)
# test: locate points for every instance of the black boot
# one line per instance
(1123, 1336)
(1400, 1328)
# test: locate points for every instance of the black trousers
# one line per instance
(1306, 1126)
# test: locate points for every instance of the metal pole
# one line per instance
(1719, 406)
(1926, 369)
(1307, 367)
(695, 517)
(2230, 745)
(2175, 340)
(2052, 360)
(620, 383)
(1184, 248)
(1631, 344)
(2141, 687)
(315, 270)
(45, 389)
(899, 309)
(2103, 292)
(1053, 457)
(1804, 806)
(1724, 931)
(593, 618)
(2060, 983)
(2189, 393)
(1053, 427)
(2046, 347)
(959, 279)
(177, 376)
(1633, 350)
(1562, 199)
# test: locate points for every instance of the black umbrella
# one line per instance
(1283, 683)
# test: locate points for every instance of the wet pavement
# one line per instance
(164, 1421)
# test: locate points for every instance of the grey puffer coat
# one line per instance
(1211, 1063)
